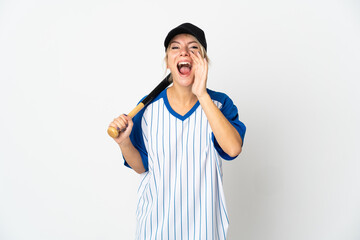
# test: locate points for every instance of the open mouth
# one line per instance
(184, 68)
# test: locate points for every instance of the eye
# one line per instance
(194, 47)
(174, 47)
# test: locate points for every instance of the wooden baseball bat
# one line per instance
(114, 133)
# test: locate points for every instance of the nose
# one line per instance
(184, 51)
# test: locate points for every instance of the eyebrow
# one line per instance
(179, 42)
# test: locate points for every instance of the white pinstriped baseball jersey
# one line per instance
(181, 194)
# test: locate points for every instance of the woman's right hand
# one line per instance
(124, 125)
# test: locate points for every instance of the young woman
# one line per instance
(177, 144)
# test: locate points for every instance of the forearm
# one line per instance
(226, 135)
(132, 156)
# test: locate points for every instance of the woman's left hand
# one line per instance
(200, 67)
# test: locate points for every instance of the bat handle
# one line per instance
(113, 132)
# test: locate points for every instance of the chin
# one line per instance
(184, 81)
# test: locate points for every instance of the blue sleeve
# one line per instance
(137, 139)
(230, 111)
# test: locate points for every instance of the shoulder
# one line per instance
(220, 97)
(161, 95)
(143, 111)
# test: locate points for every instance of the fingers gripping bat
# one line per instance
(114, 133)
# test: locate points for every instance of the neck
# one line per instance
(182, 95)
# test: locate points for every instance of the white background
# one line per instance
(67, 68)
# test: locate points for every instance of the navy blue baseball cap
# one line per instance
(189, 29)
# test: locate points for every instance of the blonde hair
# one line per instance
(202, 52)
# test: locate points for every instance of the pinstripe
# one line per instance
(206, 196)
(137, 218)
(151, 135)
(212, 196)
(159, 168)
(216, 180)
(151, 163)
(140, 215)
(143, 221)
(157, 207)
(211, 184)
(140, 201)
(142, 182)
(145, 138)
(194, 175)
(175, 177)
(144, 210)
(168, 218)
(182, 157)
(163, 176)
(152, 204)
(218, 196)
(148, 211)
(143, 118)
(157, 134)
(187, 179)
(222, 225)
(217, 219)
(223, 207)
(200, 169)
(218, 166)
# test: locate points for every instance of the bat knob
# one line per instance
(113, 132)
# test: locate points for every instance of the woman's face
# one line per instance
(178, 58)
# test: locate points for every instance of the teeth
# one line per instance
(180, 64)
